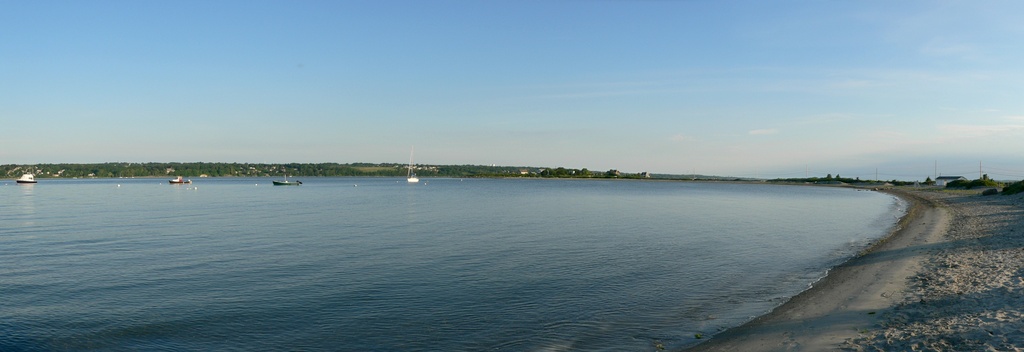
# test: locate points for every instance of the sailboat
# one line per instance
(411, 176)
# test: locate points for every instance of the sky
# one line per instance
(773, 89)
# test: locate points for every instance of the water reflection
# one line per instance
(25, 205)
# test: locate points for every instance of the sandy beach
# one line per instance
(951, 277)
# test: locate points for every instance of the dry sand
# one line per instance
(951, 278)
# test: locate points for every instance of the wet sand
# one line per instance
(949, 278)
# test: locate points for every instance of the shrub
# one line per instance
(971, 184)
(1016, 187)
(990, 192)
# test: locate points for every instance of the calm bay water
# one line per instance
(358, 264)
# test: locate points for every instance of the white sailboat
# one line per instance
(411, 176)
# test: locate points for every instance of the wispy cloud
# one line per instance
(829, 118)
(682, 138)
(973, 131)
(855, 84)
(887, 134)
(589, 90)
(949, 47)
(762, 132)
(590, 95)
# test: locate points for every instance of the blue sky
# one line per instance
(738, 88)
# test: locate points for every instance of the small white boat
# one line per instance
(27, 178)
(179, 181)
(411, 176)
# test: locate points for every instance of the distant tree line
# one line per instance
(218, 169)
(837, 179)
(109, 170)
(983, 182)
(215, 169)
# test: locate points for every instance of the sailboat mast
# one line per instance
(412, 149)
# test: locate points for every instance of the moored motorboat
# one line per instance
(286, 182)
(27, 178)
(179, 181)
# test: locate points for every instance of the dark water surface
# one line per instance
(374, 264)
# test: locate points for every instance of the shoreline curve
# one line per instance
(853, 296)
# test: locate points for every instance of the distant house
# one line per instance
(941, 181)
